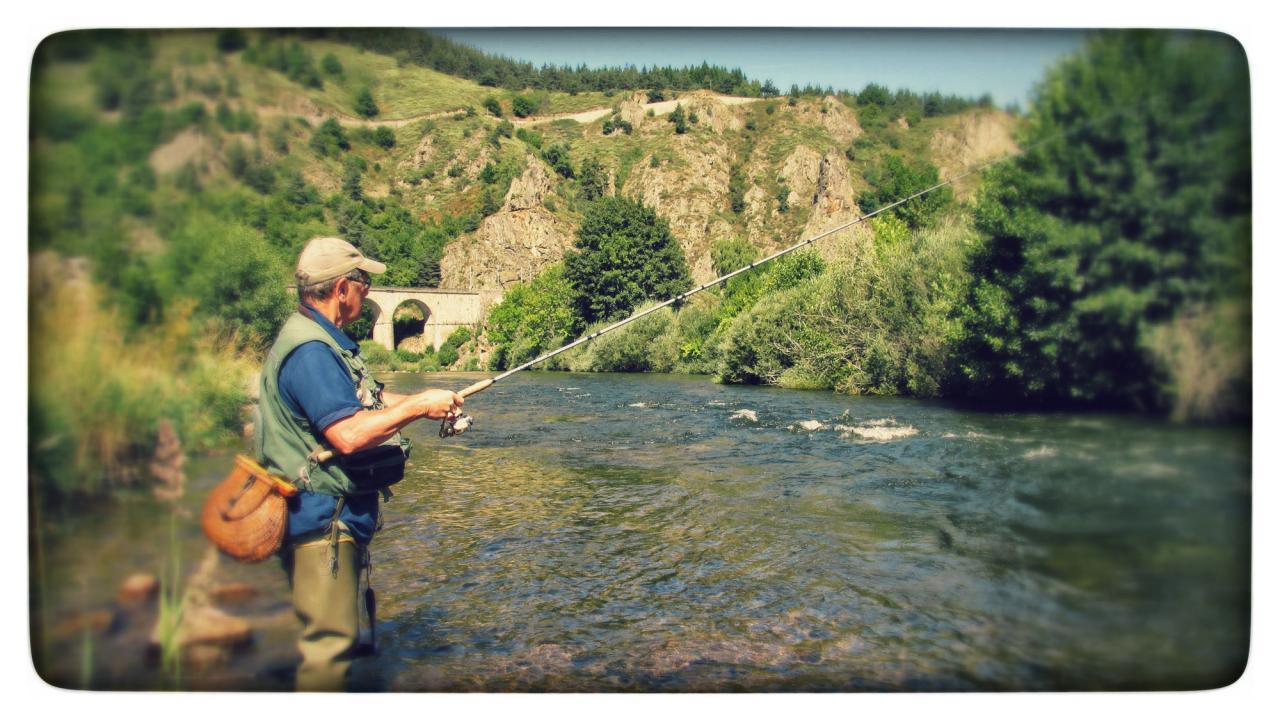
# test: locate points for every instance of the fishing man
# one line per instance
(317, 398)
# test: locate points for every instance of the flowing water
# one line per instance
(649, 532)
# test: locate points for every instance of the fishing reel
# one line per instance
(454, 425)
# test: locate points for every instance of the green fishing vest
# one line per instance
(285, 442)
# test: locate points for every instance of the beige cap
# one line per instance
(325, 258)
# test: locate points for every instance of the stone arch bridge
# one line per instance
(443, 311)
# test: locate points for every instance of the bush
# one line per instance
(493, 106)
(364, 104)
(331, 65)
(531, 319)
(557, 156)
(375, 354)
(534, 139)
(447, 355)
(329, 139)
(522, 106)
(384, 137)
(879, 322)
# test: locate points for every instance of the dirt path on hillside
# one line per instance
(314, 116)
(661, 107)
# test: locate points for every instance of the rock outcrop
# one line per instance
(513, 244)
(972, 138)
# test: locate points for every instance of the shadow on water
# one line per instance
(617, 533)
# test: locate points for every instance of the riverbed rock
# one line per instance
(211, 626)
(95, 621)
(234, 593)
(138, 587)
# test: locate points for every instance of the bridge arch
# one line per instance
(443, 311)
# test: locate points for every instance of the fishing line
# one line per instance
(456, 424)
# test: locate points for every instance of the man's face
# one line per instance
(353, 298)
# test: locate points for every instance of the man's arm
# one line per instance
(369, 428)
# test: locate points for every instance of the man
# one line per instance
(317, 396)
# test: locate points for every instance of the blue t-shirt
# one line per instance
(314, 384)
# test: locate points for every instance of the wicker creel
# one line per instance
(245, 515)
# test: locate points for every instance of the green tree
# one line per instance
(1130, 208)
(365, 106)
(625, 254)
(493, 106)
(679, 119)
(593, 180)
(230, 40)
(331, 65)
(737, 190)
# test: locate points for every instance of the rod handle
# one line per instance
(475, 388)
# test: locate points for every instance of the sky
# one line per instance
(1005, 63)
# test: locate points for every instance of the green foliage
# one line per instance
(874, 94)
(531, 319)
(893, 180)
(646, 345)
(531, 137)
(557, 156)
(447, 355)
(737, 190)
(293, 60)
(523, 106)
(1130, 209)
(364, 105)
(331, 65)
(231, 40)
(624, 255)
(878, 323)
(783, 197)
(384, 137)
(329, 139)
(679, 119)
(593, 180)
(375, 354)
(730, 254)
(493, 106)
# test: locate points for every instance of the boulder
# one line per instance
(138, 587)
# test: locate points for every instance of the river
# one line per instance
(598, 532)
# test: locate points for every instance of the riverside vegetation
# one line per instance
(175, 176)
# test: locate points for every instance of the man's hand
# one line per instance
(369, 428)
(436, 404)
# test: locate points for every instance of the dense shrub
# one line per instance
(364, 104)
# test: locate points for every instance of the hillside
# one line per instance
(442, 149)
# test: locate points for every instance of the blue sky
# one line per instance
(1005, 63)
